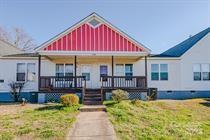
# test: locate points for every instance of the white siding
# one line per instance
(199, 53)
(8, 74)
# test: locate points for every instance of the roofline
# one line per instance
(11, 44)
(83, 20)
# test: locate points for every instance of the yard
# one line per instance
(33, 121)
(166, 119)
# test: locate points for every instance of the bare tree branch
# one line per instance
(18, 37)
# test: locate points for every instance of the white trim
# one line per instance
(94, 15)
(94, 53)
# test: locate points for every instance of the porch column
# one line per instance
(75, 71)
(39, 72)
(145, 58)
(112, 71)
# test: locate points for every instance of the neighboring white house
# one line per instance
(95, 56)
(7, 48)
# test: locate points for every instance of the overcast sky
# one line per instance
(158, 25)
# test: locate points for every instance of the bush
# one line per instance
(69, 100)
(119, 95)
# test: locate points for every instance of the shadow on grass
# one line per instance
(207, 104)
(109, 103)
(51, 107)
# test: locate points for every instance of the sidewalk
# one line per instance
(92, 126)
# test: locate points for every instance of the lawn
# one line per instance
(167, 119)
(43, 122)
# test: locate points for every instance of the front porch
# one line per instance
(92, 74)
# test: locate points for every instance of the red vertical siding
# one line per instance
(87, 38)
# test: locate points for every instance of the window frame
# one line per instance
(159, 72)
(26, 72)
(201, 72)
(64, 69)
(33, 72)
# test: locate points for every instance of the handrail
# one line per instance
(123, 82)
(57, 83)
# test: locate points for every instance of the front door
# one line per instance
(103, 71)
(86, 71)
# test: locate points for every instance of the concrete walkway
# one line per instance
(92, 126)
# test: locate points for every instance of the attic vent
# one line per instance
(94, 22)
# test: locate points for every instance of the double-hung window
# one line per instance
(128, 71)
(25, 72)
(159, 72)
(64, 70)
(201, 72)
(119, 70)
(21, 72)
(163, 72)
(205, 72)
(31, 72)
(155, 71)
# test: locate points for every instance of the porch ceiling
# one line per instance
(57, 58)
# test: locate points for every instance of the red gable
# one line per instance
(97, 36)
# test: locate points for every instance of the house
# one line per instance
(7, 48)
(183, 71)
(93, 57)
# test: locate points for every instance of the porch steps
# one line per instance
(92, 108)
(92, 97)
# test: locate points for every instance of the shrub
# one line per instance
(69, 100)
(119, 95)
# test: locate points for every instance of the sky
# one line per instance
(158, 24)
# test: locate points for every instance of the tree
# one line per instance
(18, 37)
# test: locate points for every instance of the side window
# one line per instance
(205, 72)
(31, 72)
(197, 72)
(163, 71)
(154, 71)
(21, 72)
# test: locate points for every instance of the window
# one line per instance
(155, 72)
(86, 72)
(64, 70)
(21, 72)
(128, 71)
(205, 71)
(59, 70)
(103, 71)
(119, 70)
(69, 70)
(163, 72)
(94, 22)
(159, 72)
(201, 72)
(31, 72)
(197, 72)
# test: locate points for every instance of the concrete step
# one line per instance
(92, 98)
(92, 95)
(92, 108)
(92, 102)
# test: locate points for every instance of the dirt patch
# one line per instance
(14, 108)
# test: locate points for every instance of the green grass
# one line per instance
(49, 122)
(188, 119)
